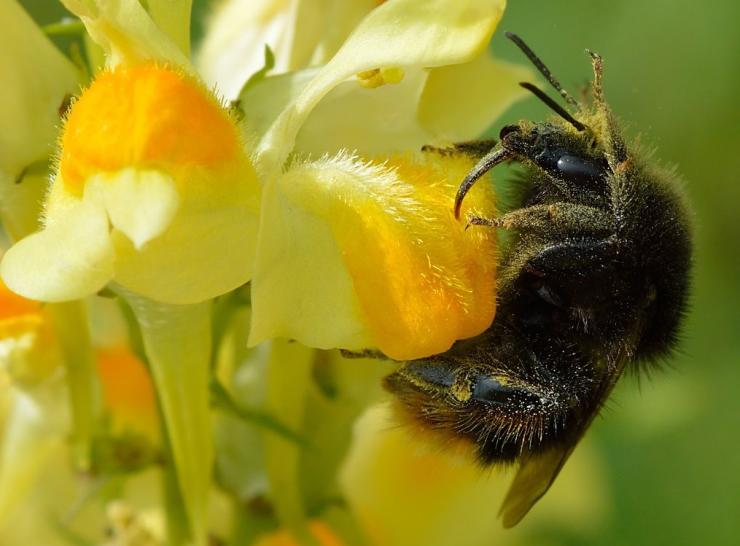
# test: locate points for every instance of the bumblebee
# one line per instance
(594, 280)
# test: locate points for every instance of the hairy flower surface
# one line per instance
(378, 242)
(363, 244)
(154, 198)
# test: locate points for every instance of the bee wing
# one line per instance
(535, 476)
(538, 472)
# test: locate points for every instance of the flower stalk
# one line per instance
(70, 322)
(288, 381)
(177, 340)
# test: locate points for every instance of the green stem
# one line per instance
(288, 380)
(178, 528)
(177, 339)
(70, 322)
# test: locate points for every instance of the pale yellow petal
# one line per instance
(36, 78)
(126, 32)
(323, 26)
(140, 203)
(235, 38)
(460, 102)
(29, 348)
(173, 17)
(300, 287)
(263, 102)
(300, 34)
(376, 121)
(35, 430)
(400, 33)
(389, 470)
(69, 259)
(350, 117)
(204, 253)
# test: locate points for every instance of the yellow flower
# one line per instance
(29, 350)
(128, 393)
(321, 533)
(413, 494)
(300, 34)
(379, 260)
(155, 198)
(359, 248)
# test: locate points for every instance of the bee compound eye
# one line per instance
(573, 167)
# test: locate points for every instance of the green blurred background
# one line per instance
(669, 446)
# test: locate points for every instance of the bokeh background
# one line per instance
(664, 461)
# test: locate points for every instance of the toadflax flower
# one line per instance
(357, 246)
(154, 198)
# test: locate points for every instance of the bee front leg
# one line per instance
(473, 148)
(563, 217)
(365, 353)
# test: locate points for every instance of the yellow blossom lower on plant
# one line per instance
(405, 492)
(380, 261)
(128, 392)
(29, 350)
(154, 190)
(322, 534)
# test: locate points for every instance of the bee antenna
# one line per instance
(539, 65)
(554, 106)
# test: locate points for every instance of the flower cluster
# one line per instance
(211, 231)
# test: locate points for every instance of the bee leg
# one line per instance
(565, 217)
(474, 148)
(615, 147)
(365, 353)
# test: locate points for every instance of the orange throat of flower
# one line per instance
(148, 116)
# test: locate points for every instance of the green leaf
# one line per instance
(261, 73)
(222, 400)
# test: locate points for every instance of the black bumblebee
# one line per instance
(594, 279)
